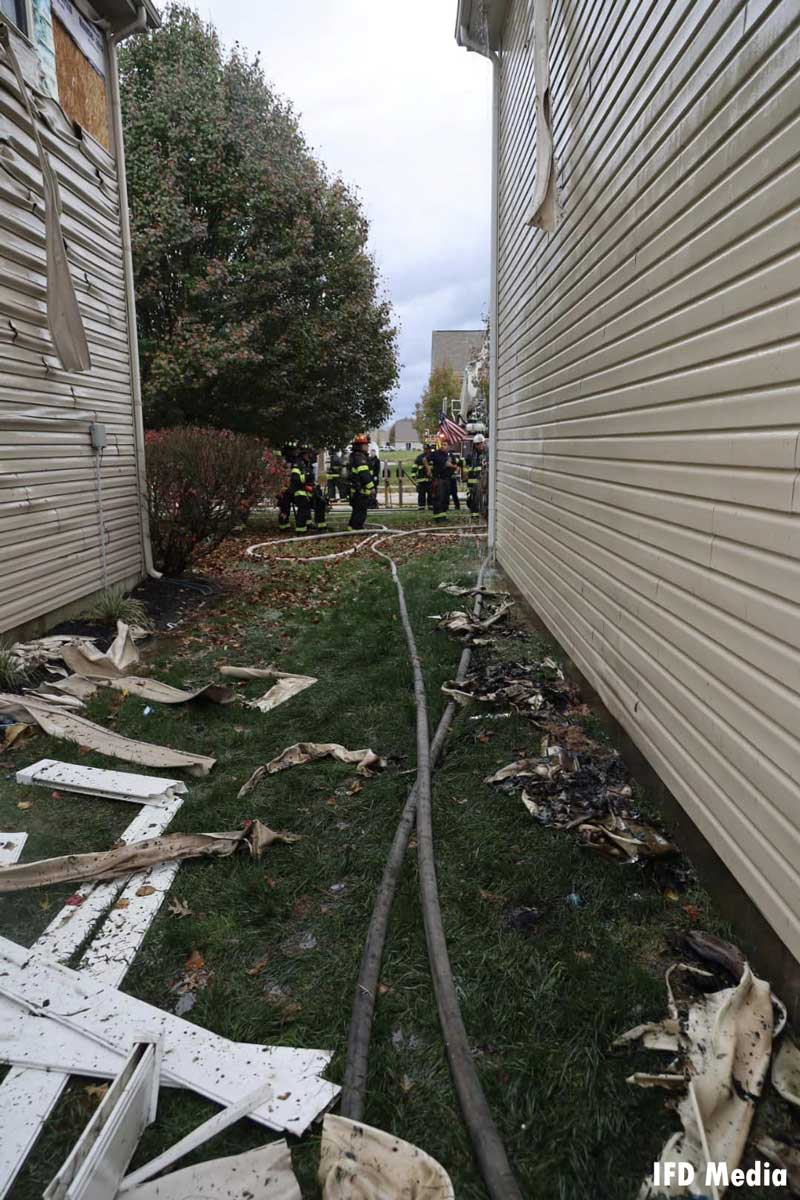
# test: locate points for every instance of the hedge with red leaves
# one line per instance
(201, 483)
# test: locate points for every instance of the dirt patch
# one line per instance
(169, 601)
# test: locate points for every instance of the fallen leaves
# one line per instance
(122, 904)
(195, 961)
(281, 1002)
(179, 908)
(302, 906)
(25, 804)
(258, 967)
(146, 890)
(194, 978)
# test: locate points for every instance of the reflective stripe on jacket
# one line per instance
(360, 474)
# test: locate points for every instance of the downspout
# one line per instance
(138, 26)
(494, 332)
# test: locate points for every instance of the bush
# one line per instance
(13, 672)
(113, 605)
(201, 483)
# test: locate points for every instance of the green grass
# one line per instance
(541, 1010)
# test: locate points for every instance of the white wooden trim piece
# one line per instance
(28, 1041)
(73, 924)
(265, 1173)
(114, 946)
(28, 1094)
(86, 36)
(100, 1157)
(193, 1057)
(11, 847)
(92, 781)
(198, 1137)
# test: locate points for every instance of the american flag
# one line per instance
(449, 431)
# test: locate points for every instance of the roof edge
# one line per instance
(470, 30)
(120, 15)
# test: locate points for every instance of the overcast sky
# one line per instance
(390, 102)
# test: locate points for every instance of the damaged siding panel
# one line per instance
(45, 49)
(648, 495)
(49, 526)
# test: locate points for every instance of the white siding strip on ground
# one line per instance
(648, 494)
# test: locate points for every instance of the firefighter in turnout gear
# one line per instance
(375, 469)
(456, 475)
(301, 494)
(362, 489)
(440, 481)
(475, 469)
(289, 453)
(335, 475)
(421, 475)
(314, 491)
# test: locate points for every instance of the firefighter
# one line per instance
(315, 493)
(440, 481)
(474, 470)
(289, 453)
(421, 476)
(301, 492)
(362, 488)
(335, 475)
(374, 466)
(456, 466)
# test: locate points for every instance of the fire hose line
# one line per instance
(355, 1075)
(373, 532)
(486, 1141)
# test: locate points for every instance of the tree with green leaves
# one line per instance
(443, 385)
(259, 305)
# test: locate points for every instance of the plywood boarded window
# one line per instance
(81, 90)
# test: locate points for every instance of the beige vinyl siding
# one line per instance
(648, 425)
(49, 524)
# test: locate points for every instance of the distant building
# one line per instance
(403, 435)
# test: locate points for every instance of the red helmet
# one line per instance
(361, 439)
